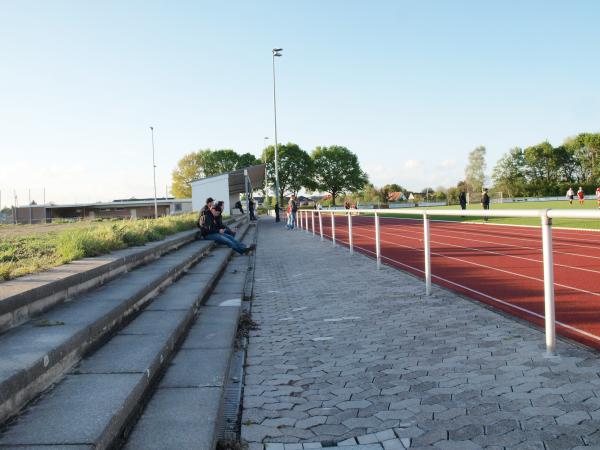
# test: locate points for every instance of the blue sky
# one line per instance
(411, 87)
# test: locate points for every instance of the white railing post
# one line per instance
(427, 254)
(549, 311)
(301, 217)
(350, 243)
(306, 222)
(377, 241)
(312, 221)
(321, 224)
(333, 228)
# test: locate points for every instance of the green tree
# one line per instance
(337, 171)
(509, 173)
(220, 161)
(475, 170)
(189, 168)
(295, 168)
(247, 160)
(585, 149)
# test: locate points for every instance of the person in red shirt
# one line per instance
(598, 195)
(580, 195)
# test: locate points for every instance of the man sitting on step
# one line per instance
(210, 229)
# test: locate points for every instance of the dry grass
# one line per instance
(33, 248)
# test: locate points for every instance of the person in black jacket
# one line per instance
(485, 202)
(219, 219)
(462, 199)
(251, 209)
(238, 205)
(211, 229)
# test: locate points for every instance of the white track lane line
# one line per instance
(497, 300)
(595, 294)
(497, 253)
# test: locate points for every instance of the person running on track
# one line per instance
(580, 195)
(570, 195)
(598, 195)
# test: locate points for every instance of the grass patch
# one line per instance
(24, 254)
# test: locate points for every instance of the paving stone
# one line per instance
(457, 445)
(465, 433)
(393, 444)
(385, 435)
(367, 439)
(572, 418)
(311, 422)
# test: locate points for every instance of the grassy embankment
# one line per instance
(563, 204)
(27, 249)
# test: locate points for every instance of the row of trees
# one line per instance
(546, 170)
(333, 169)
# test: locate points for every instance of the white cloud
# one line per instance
(412, 164)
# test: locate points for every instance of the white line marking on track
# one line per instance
(570, 267)
(595, 294)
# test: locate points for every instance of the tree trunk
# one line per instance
(333, 197)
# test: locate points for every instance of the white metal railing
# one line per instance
(545, 216)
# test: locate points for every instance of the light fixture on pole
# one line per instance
(276, 52)
(154, 173)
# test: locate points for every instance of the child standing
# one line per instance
(580, 195)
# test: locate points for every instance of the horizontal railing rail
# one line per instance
(544, 215)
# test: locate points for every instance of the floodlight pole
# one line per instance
(154, 173)
(276, 52)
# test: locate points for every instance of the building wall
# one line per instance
(215, 187)
(38, 214)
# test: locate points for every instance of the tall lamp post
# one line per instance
(266, 186)
(154, 173)
(276, 52)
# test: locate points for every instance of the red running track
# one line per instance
(498, 265)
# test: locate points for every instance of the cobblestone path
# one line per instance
(349, 355)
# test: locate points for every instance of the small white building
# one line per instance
(227, 187)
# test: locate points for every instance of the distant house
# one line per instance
(396, 196)
(131, 208)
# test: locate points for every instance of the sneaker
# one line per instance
(249, 249)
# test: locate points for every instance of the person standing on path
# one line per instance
(580, 195)
(570, 195)
(292, 207)
(485, 202)
(462, 199)
(251, 209)
(598, 195)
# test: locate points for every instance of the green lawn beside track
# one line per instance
(562, 204)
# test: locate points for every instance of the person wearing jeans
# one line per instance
(213, 231)
(292, 208)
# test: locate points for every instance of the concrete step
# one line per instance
(28, 296)
(91, 405)
(37, 353)
(186, 409)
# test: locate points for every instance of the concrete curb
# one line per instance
(25, 297)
